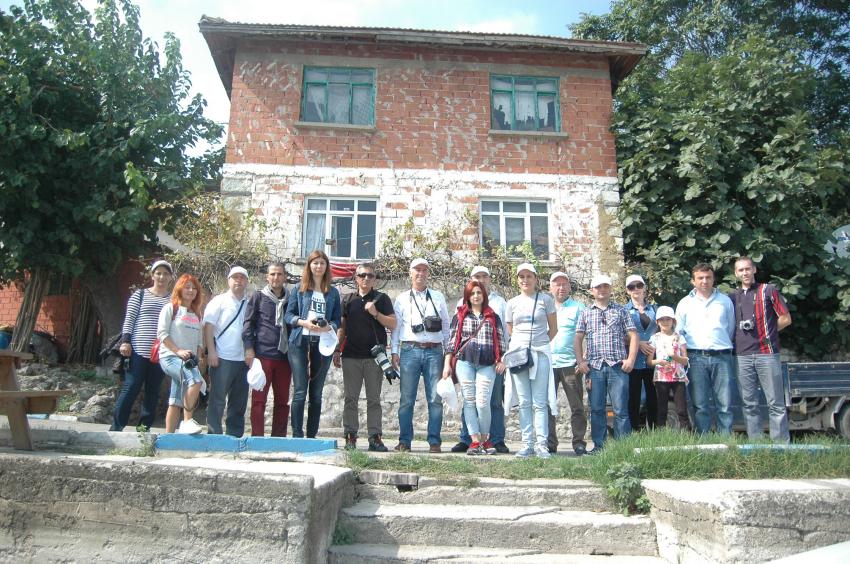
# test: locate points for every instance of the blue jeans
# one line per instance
(497, 414)
(228, 385)
(307, 386)
(605, 381)
(428, 363)
(534, 402)
(711, 376)
(142, 372)
(764, 370)
(181, 378)
(476, 386)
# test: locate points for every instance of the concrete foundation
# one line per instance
(747, 520)
(118, 509)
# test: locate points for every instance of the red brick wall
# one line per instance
(54, 316)
(432, 110)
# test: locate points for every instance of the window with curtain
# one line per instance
(337, 95)
(522, 103)
(509, 223)
(344, 228)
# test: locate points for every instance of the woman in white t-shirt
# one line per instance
(532, 324)
(180, 352)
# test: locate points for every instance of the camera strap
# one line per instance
(469, 339)
(427, 299)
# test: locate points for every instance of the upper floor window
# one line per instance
(344, 228)
(334, 95)
(522, 103)
(508, 223)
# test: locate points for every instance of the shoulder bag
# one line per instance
(520, 360)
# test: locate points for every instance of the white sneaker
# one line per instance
(542, 451)
(189, 427)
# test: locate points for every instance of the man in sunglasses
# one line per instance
(366, 316)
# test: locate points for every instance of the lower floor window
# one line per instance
(510, 223)
(343, 228)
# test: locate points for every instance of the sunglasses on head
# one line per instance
(366, 275)
(635, 286)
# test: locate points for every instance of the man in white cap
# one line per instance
(606, 326)
(497, 411)
(564, 361)
(224, 319)
(418, 341)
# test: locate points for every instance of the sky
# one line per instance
(536, 17)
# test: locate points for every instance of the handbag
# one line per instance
(453, 362)
(520, 360)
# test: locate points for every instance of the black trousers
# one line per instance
(680, 401)
(637, 377)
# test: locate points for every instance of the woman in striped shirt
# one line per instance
(477, 339)
(137, 337)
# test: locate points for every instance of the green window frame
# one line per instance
(524, 103)
(338, 95)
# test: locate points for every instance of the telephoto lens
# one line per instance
(379, 353)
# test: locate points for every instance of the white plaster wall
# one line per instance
(278, 192)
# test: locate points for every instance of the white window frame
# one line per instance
(526, 216)
(329, 214)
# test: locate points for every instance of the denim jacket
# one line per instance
(299, 306)
(643, 334)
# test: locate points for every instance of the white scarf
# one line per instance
(280, 308)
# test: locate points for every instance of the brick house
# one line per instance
(341, 133)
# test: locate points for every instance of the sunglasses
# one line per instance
(366, 275)
(635, 286)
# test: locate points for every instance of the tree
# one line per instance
(720, 152)
(96, 124)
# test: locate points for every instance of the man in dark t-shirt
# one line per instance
(760, 314)
(366, 316)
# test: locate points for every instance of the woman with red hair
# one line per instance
(477, 342)
(180, 351)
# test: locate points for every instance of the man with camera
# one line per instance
(497, 410)
(265, 337)
(418, 341)
(706, 320)
(760, 314)
(366, 316)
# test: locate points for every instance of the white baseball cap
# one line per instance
(237, 270)
(479, 270)
(418, 262)
(599, 280)
(526, 266)
(635, 278)
(164, 263)
(558, 274)
(665, 311)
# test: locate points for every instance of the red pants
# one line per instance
(279, 376)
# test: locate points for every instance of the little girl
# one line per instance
(671, 359)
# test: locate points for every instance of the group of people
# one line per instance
(502, 353)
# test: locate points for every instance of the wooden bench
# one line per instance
(16, 404)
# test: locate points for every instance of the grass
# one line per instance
(670, 465)
(619, 469)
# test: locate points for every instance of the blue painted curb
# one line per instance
(226, 443)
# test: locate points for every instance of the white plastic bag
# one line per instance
(256, 376)
(446, 390)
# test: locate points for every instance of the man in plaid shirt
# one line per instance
(606, 326)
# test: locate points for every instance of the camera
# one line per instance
(190, 363)
(432, 323)
(320, 321)
(379, 353)
(418, 328)
(746, 325)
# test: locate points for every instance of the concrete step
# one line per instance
(545, 529)
(418, 554)
(573, 495)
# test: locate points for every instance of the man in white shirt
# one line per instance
(497, 423)
(418, 341)
(223, 321)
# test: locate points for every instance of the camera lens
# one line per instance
(320, 321)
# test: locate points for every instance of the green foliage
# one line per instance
(625, 489)
(96, 123)
(215, 238)
(732, 139)
(343, 535)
